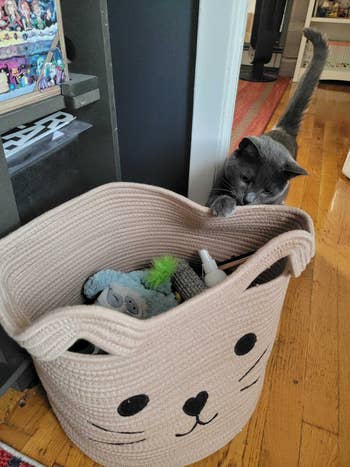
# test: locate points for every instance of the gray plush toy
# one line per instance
(130, 292)
(123, 299)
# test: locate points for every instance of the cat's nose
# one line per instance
(195, 405)
(249, 198)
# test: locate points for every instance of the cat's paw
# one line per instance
(223, 206)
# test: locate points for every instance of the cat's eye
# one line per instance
(133, 405)
(244, 179)
(268, 192)
(245, 344)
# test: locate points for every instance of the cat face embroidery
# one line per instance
(177, 386)
(193, 407)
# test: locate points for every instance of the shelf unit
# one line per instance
(92, 101)
(16, 367)
(318, 19)
(337, 29)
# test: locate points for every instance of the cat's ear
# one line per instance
(292, 169)
(244, 143)
(248, 147)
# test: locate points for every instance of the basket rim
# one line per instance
(125, 319)
(120, 186)
(133, 326)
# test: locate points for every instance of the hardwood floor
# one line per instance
(303, 417)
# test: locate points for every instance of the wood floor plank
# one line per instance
(256, 426)
(344, 358)
(29, 416)
(233, 455)
(47, 442)
(321, 378)
(8, 403)
(64, 457)
(285, 410)
(229, 456)
(336, 222)
(14, 436)
(70, 455)
(319, 448)
(329, 173)
(312, 183)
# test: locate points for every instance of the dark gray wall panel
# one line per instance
(153, 45)
(49, 182)
(9, 219)
(86, 27)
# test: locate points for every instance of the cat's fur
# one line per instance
(259, 171)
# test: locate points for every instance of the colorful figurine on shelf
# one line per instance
(3, 17)
(25, 11)
(37, 19)
(333, 13)
(50, 15)
(14, 17)
(4, 85)
(334, 9)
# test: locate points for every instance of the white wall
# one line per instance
(221, 30)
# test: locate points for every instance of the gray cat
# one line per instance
(259, 171)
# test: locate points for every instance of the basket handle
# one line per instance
(298, 246)
(49, 337)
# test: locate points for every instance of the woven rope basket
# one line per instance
(177, 387)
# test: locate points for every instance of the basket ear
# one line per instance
(114, 332)
(298, 246)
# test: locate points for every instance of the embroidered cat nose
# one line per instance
(250, 197)
(195, 405)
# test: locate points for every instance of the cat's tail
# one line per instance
(291, 119)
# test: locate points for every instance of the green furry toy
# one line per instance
(161, 272)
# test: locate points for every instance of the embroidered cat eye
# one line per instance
(133, 405)
(245, 344)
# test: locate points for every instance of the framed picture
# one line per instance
(33, 61)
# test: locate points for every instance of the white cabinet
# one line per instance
(338, 33)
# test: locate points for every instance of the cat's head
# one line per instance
(259, 171)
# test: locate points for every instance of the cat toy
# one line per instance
(142, 293)
(186, 281)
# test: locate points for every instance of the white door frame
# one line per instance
(220, 39)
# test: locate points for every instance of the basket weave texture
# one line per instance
(198, 368)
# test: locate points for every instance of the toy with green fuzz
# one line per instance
(161, 271)
(142, 293)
